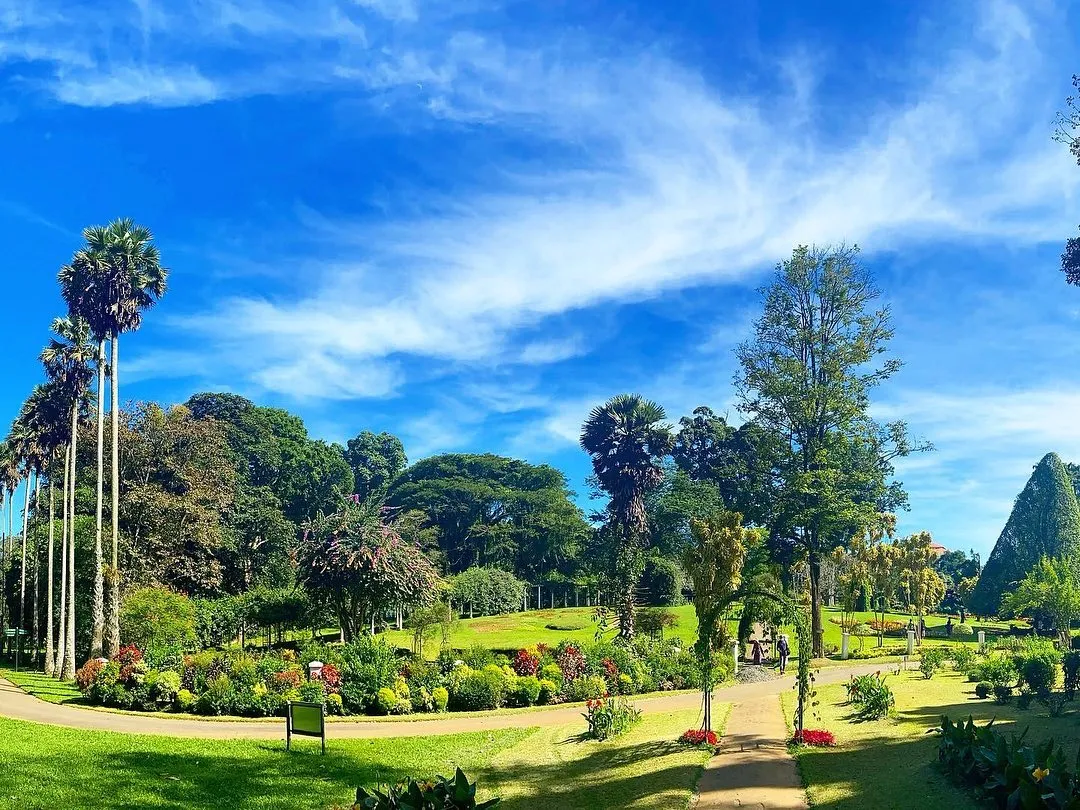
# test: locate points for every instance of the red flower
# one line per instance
(696, 736)
(818, 738)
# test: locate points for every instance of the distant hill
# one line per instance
(1045, 520)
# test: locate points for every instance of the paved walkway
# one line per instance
(15, 703)
(753, 768)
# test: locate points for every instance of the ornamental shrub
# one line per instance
(1002, 692)
(816, 738)
(440, 698)
(998, 670)
(983, 689)
(488, 591)
(1037, 667)
(963, 631)
(385, 700)
(472, 691)
(165, 687)
(478, 656)
(282, 682)
(592, 687)
(184, 700)
(699, 737)
(610, 717)
(85, 675)
(525, 663)
(334, 705)
(571, 661)
(931, 660)
(551, 672)
(219, 697)
(156, 617)
(549, 690)
(1070, 665)
(963, 657)
(526, 691)
(442, 793)
(368, 665)
(312, 692)
(871, 695)
(242, 671)
(653, 621)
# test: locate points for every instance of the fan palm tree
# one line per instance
(82, 284)
(627, 440)
(67, 359)
(113, 281)
(9, 469)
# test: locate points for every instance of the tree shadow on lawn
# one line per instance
(271, 779)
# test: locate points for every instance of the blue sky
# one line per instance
(468, 223)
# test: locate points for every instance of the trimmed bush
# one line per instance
(526, 691)
(548, 691)
(983, 689)
(592, 687)
(963, 631)
(440, 698)
(385, 700)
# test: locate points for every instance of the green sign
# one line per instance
(308, 719)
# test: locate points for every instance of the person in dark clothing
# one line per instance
(783, 649)
(948, 627)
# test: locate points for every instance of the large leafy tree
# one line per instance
(115, 278)
(921, 585)
(376, 459)
(627, 439)
(492, 510)
(738, 462)
(1050, 588)
(178, 482)
(1045, 522)
(357, 562)
(806, 375)
(1068, 127)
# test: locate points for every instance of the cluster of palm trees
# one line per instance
(110, 282)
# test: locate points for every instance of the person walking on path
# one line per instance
(783, 649)
(756, 651)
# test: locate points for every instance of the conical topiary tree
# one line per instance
(1045, 521)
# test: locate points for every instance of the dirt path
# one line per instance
(16, 704)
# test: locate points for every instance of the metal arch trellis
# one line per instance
(804, 678)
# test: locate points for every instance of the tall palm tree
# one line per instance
(627, 439)
(9, 469)
(67, 359)
(117, 277)
(82, 286)
(48, 415)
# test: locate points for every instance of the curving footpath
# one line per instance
(18, 705)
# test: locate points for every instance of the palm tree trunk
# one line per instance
(50, 664)
(22, 571)
(4, 502)
(96, 640)
(61, 635)
(114, 579)
(68, 671)
(35, 623)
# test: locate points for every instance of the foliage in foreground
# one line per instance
(610, 717)
(1011, 774)
(441, 794)
(871, 696)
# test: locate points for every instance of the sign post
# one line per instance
(305, 719)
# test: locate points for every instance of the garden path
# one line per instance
(16, 704)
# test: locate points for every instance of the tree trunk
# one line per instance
(4, 502)
(113, 645)
(50, 664)
(816, 630)
(626, 613)
(67, 673)
(98, 604)
(61, 631)
(22, 572)
(35, 624)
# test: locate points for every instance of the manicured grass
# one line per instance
(40, 686)
(48, 767)
(514, 631)
(892, 763)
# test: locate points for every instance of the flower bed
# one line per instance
(699, 737)
(368, 676)
(815, 737)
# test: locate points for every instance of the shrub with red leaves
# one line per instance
(611, 669)
(128, 656)
(331, 678)
(571, 661)
(85, 676)
(819, 738)
(697, 736)
(525, 663)
(282, 682)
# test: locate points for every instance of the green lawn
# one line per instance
(48, 767)
(516, 630)
(45, 688)
(892, 763)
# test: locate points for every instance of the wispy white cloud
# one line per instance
(132, 84)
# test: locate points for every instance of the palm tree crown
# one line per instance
(70, 354)
(627, 439)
